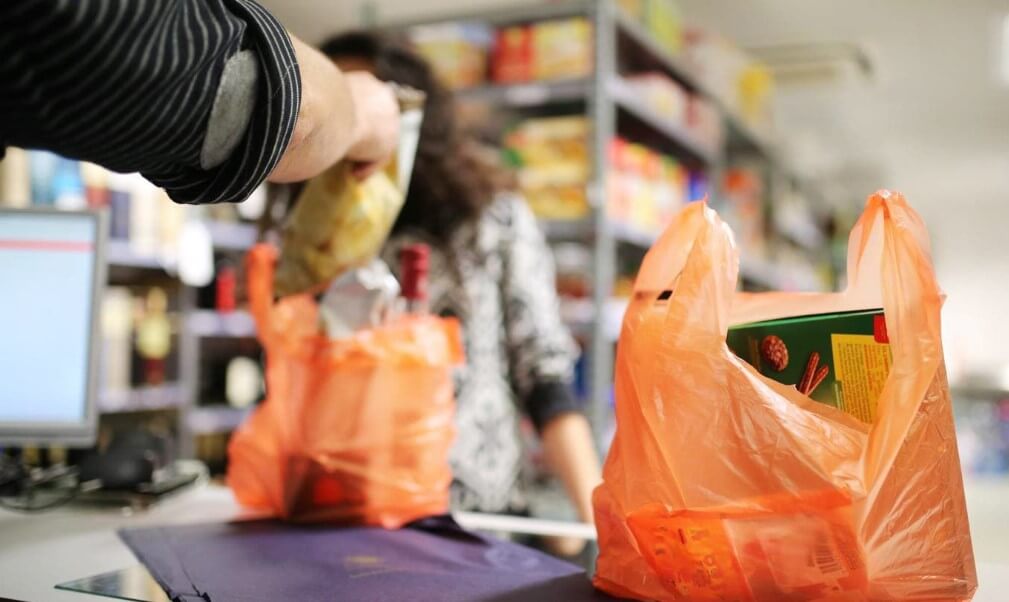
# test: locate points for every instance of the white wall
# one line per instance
(964, 198)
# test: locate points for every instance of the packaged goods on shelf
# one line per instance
(698, 186)
(645, 188)
(755, 89)
(140, 214)
(96, 184)
(551, 158)
(705, 122)
(136, 339)
(573, 263)
(742, 209)
(15, 185)
(55, 181)
(458, 52)
(664, 20)
(634, 9)
(738, 80)
(558, 202)
(661, 18)
(662, 94)
(154, 336)
(117, 345)
(562, 49)
(512, 59)
(42, 168)
(555, 49)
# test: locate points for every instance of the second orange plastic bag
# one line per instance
(724, 485)
(353, 431)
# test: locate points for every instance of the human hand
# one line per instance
(376, 129)
(565, 547)
(350, 116)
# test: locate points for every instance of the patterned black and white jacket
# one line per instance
(496, 276)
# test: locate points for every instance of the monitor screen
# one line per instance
(51, 273)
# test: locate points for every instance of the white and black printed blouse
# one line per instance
(497, 277)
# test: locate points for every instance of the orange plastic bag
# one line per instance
(356, 430)
(724, 485)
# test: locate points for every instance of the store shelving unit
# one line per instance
(209, 323)
(193, 326)
(141, 399)
(142, 266)
(611, 108)
(610, 105)
(210, 420)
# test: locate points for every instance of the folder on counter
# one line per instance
(433, 559)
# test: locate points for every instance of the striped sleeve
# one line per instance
(131, 85)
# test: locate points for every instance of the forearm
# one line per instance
(134, 90)
(571, 454)
(327, 122)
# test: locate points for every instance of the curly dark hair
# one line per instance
(454, 178)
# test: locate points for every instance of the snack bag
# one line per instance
(355, 430)
(723, 484)
(338, 222)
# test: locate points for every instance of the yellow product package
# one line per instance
(339, 222)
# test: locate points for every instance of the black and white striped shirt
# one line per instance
(131, 85)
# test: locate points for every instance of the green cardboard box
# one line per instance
(841, 359)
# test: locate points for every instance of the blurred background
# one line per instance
(614, 115)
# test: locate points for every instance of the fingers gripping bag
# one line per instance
(723, 484)
(353, 430)
(339, 222)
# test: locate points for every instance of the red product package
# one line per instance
(513, 55)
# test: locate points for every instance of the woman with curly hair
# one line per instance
(490, 267)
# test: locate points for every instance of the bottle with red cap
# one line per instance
(413, 270)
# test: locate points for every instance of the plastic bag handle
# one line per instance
(260, 264)
(696, 259)
(892, 236)
(889, 264)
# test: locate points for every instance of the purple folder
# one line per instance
(270, 561)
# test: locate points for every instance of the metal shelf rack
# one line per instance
(606, 100)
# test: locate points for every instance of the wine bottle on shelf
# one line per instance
(414, 262)
(154, 336)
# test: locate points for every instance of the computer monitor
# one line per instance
(52, 274)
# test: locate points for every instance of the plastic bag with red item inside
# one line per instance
(355, 430)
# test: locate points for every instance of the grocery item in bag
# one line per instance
(361, 298)
(724, 484)
(355, 430)
(840, 359)
(339, 222)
